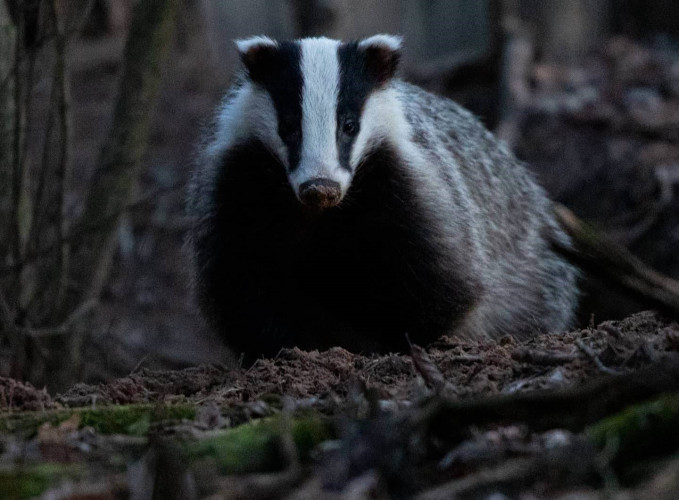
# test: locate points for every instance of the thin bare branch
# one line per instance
(38, 205)
(78, 232)
(65, 327)
(17, 173)
(63, 170)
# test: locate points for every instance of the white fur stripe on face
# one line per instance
(321, 74)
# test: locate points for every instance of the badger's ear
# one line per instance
(257, 54)
(382, 53)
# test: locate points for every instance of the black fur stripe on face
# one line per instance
(281, 76)
(356, 84)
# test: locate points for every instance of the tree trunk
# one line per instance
(120, 162)
(7, 48)
(567, 29)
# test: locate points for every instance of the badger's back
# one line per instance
(528, 287)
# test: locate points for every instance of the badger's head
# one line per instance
(306, 101)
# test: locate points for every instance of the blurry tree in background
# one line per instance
(55, 255)
(313, 17)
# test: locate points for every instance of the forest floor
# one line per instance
(587, 414)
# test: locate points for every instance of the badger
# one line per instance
(332, 203)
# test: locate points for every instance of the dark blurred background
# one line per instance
(585, 91)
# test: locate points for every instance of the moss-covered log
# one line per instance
(646, 429)
(257, 446)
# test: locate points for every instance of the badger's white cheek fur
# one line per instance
(382, 121)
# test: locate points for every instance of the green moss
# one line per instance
(308, 432)
(132, 420)
(256, 447)
(29, 482)
(642, 430)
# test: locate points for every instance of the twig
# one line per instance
(525, 355)
(465, 358)
(426, 367)
(65, 327)
(519, 470)
(139, 363)
(595, 358)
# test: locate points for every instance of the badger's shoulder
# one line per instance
(458, 139)
(436, 119)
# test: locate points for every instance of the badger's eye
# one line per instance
(350, 127)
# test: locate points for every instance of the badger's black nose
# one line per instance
(320, 193)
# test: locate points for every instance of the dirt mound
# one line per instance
(15, 395)
(470, 368)
(151, 385)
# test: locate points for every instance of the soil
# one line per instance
(368, 404)
(471, 368)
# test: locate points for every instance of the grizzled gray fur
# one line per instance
(334, 204)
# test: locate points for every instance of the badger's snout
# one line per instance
(320, 193)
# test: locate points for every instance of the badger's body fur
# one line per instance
(429, 227)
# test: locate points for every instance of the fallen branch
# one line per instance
(599, 256)
(572, 408)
